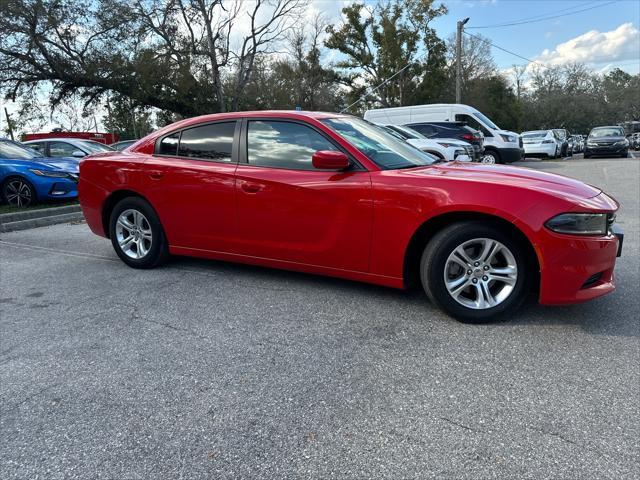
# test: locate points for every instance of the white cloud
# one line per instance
(596, 47)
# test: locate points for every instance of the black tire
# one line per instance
(586, 155)
(434, 260)
(27, 190)
(495, 155)
(158, 251)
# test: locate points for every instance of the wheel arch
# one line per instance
(426, 231)
(112, 200)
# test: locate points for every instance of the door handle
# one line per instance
(251, 187)
(156, 175)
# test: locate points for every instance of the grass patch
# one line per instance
(11, 209)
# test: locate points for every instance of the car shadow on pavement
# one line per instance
(597, 317)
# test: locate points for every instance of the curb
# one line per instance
(10, 222)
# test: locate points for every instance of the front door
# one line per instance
(288, 210)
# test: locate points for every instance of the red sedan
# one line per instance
(335, 195)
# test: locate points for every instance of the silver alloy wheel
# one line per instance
(488, 158)
(133, 233)
(480, 273)
(18, 193)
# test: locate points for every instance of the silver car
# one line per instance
(67, 147)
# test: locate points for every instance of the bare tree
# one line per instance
(176, 55)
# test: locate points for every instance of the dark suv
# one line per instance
(457, 130)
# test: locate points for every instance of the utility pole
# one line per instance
(460, 26)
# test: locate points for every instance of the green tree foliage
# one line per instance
(376, 42)
(126, 119)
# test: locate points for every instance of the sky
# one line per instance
(604, 34)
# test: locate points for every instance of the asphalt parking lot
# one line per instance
(203, 369)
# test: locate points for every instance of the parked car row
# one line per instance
(455, 121)
(556, 143)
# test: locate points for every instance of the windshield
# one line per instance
(484, 119)
(606, 132)
(95, 146)
(385, 150)
(14, 151)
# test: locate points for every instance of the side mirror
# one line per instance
(78, 154)
(330, 160)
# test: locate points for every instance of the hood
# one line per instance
(69, 164)
(514, 176)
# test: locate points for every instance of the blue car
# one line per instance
(26, 177)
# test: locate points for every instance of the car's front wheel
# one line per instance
(17, 192)
(136, 234)
(475, 272)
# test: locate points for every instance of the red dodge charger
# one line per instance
(335, 195)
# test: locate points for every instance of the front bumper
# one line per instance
(576, 268)
(510, 155)
(608, 150)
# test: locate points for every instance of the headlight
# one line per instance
(48, 173)
(622, 143)
(509, 138)
(579, 223)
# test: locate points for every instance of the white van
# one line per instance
(504, 146)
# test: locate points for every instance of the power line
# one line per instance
(551, 17)
(505, 50)
(545, 14)
(375, 89)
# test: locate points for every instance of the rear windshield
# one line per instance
(534, 134)
(606, 132)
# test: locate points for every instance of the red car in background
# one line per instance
(335, 195)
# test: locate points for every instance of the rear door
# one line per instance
(190, 183)
(288, 210)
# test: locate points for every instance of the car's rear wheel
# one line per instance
(475, 272)
(136, 234)
(18, 192)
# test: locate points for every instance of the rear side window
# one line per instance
(426, 130)
(208, 142)
(39, 147)
(283, 144)
(169, 145)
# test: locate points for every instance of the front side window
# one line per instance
(385, 150)
(208, 142)
(61, 149)
(283, 144)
